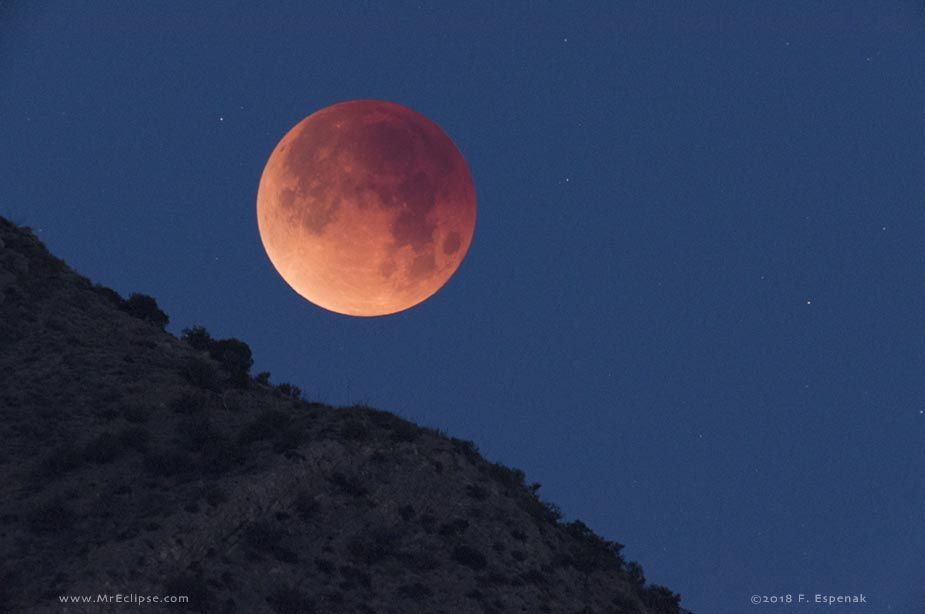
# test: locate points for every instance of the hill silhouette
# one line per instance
(137, 463)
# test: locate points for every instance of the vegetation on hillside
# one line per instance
(137, 460)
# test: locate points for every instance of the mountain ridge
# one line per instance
(136, 462)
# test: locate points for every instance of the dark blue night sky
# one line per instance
(693, 306)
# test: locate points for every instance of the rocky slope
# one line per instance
(136, 463)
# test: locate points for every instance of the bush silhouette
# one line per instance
(109, 294)
(235, 357)
(198, 337)
(232, 354)
(660, 600)
(288, 390)
(635, 574)
(201, 373)
(592, 552)
(145, 308)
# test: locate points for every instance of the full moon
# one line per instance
(366, 208)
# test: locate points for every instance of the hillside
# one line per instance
(134, 462)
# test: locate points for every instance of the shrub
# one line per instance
(593, 552)
(239, 379)
(508, 476)
(546, 511)
(289, 600)
(190, 402)
(354, 430)
(470, 557)
(349, 485)
(109, 294)
(288, 390)
(400, 430)
(635, 574)
(404, 431)
(197, 337)
(233, 355)
(264, 426)
(145, 308)
(104, 448)
(476, 492)
(263, 378)
(626, 603)
(660, 600)
(200, 372)
(466, 447)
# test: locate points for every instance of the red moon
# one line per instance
(366, 208)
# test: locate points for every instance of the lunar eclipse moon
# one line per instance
(366, 208)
